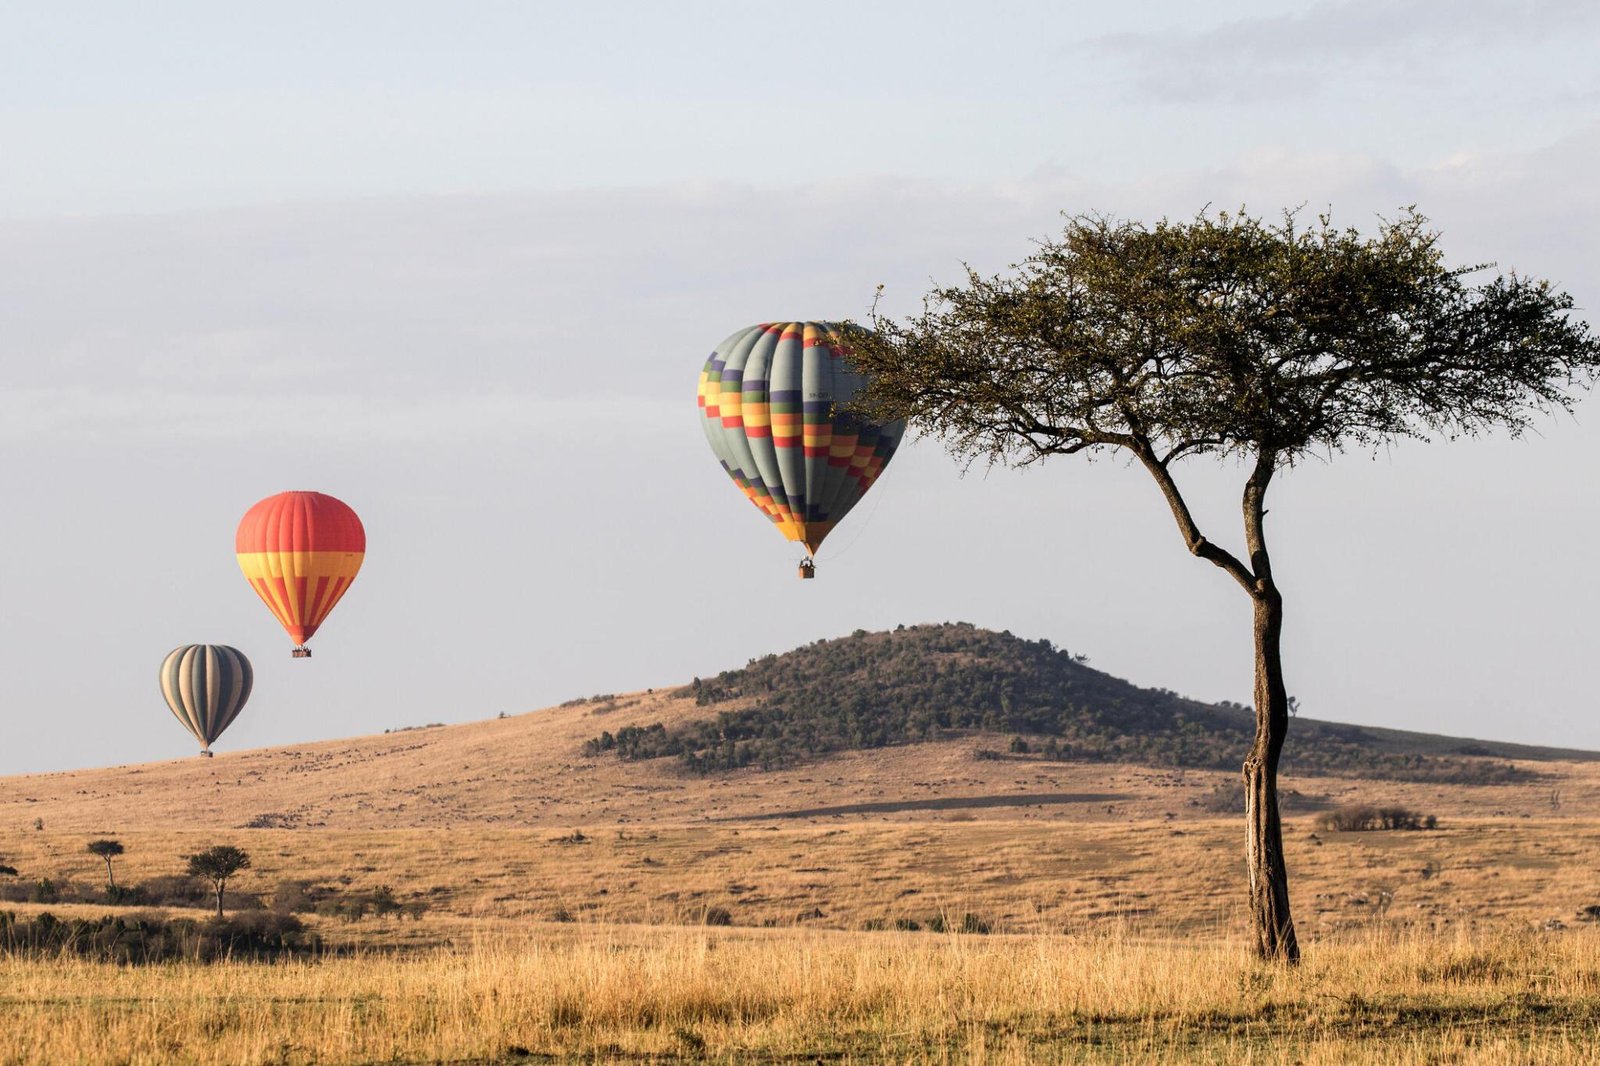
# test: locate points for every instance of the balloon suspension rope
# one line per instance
(876, 503)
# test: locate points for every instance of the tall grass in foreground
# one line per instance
(601, 993)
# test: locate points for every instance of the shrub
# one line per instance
(175, 890)
(294, 897)
(344, 908)
(718, 916)
(49, 890)
(354, 906)
(147, 938)
(126, 896)
(967, 923)
(1358, 818)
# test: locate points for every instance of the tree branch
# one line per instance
(1193, 539)
(1255, 534)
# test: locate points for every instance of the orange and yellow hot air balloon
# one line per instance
(300, 551)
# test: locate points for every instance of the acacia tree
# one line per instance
(107, 850)
(1232, 337)
(217, 864)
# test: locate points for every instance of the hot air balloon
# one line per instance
(300, 551)
(773, 402)
(206, 686)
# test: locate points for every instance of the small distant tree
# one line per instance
(217, 864)
(7, 871)
(107, 850)
(1269, 343)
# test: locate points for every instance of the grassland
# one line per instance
(1157, 877)
(567, 900)
(607, 993)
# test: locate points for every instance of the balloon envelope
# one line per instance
(206, 685)
(773, 401)
(300, 551)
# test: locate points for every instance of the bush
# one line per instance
(344, 908)
(718, 916)
(295, 897)
(147, 938)
(127, 896)
(354, 906)
(175, 890)
(48, 890)
(967, 923)
(971, 923)
(899, 925)
(1361, 818)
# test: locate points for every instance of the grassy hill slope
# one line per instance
(922, 683)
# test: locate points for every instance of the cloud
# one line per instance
(121, 419)
(488, 317)
(1357, 42)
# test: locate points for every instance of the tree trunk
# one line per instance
(1269, 880)
(221, 916)
(111, 880)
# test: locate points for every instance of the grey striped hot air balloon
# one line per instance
(206, 686)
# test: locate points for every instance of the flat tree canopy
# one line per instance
(107, 850)
(217, 864)
(1229, 335)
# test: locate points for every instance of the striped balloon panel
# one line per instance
(772, 401)
(300, 551)
(206, 685)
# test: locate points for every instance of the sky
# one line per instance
(459, 265)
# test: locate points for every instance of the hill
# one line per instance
(506, 820)
(932, 682)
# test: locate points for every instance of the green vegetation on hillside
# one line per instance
(873, 690)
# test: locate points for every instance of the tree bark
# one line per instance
(1269, 879)
(220, 915)
(111, 879)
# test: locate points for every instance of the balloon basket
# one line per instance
(808, 569)
(207, 753)
(302, 652)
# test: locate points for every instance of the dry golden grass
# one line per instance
(528, 771)
(622, 993)
(1115, 896)
(1153, 878)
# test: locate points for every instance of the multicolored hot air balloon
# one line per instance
(300, 551)
(206, 686)
(773, 399)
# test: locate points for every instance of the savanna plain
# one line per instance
(492, 893)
